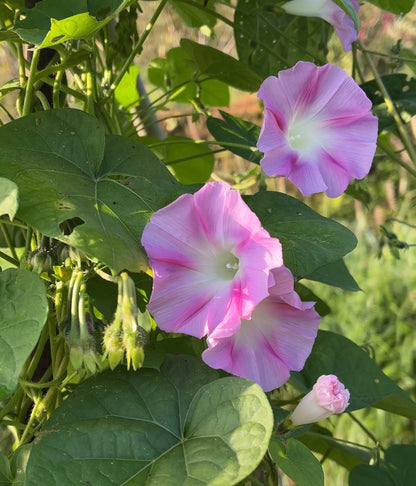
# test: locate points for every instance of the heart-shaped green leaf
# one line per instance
(180, 425)
(23, 311)
(93, 192)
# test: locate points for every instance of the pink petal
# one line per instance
(278, 338)
(306, 175)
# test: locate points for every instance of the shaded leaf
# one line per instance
(4, 471)
(23, 312)
(221, 66)
(345, 455)
(9, 198)
(309, 240)
(179, 425)
(236, 131)
(399, 469)
(18, 464)
(335, 274)
(297, 462)
(368, 385)
(93, 192)
(268, 40)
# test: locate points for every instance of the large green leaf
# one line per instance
(4, 471)
(66, 168)
(309, 240)
(395, 6)
(402, 91)
(23, 311)
(9, 197)
(399, 470)
(268, 40)
(368, 385)
(233, 130)
(297, 462)
(335, 274)
(221, 66)
(52, 22)
(177, 426)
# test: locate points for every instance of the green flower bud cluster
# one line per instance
(125, 335)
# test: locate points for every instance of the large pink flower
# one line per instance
(318, 130)
(211, 261)
(278, 338)
(329, 11)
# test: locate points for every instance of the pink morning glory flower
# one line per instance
(211, 261)
(318, 130)
(276, 340)
(329, 11)
(327, 397)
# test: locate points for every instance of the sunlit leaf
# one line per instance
(92, 191)
(179, 425)
(23, 311)
(9, 197)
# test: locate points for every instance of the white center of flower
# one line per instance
(303, 136)
(226, 265)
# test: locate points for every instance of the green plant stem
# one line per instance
(391, 108)
(27, 104)
(396, 158)
(43, 100)
(31, 368)
(137, 48)
(9, 259)
(8, 240)
(364, 429)
(207, 142)
(28, 243)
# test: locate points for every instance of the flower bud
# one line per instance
(327, 397)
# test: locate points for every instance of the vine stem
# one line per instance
(390, 105)
(369, 434)
(396, 158)
(27, 104)
(138, 47)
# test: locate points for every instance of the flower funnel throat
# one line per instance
(318, 130)
(226, 265)
(211, 261)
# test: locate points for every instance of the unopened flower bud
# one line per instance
(113, 346)
(327, 397)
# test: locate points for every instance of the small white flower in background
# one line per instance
(327, 397)
(329, 11)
